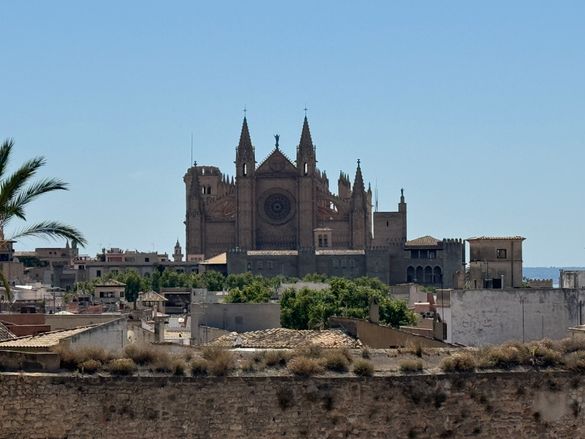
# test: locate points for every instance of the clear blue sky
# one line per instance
(477, 110)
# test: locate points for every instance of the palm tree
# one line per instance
(16, 192)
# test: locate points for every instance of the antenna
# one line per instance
(191, 164)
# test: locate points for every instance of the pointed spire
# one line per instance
(402, 195)
(306, 143)
(245, 140)
(358, 184)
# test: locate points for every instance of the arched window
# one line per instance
(419, 275)
(437, 275)
(209, 190)
(245, 169)
(203, 190)
(428, 275)
(410, 274)
(305, 168)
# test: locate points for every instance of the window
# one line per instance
(325, 241)
(98, 273)
(501, 253)
(245, 169)
(305, 168)
(146, 259)
(320, 240)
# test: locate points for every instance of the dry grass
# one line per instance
(415, 348)
(89, 366)
(459, 362)
(276, 358)
(572, 344)
(410, 366)
(363, 368)
(220, 361)
(541, 355)
(142, 354)
(506, 356)
(309, 351)
(305, 366)
(122, 366)
(337, 360)
(575, 361)
(199, 367)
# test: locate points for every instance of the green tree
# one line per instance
(17, 191)
(133, 283)
(213, 280)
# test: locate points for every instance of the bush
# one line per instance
(122, 366)
(304, 366)
(575, 362)
(545, 357)
(142, 354)
(336, 360)
(219, 361)
(309, 351)
(411, 366)
(276, 358)
(459, 362)
(415, 349)
(89, 366)
(92, 353)
(505, 357)
(178, 367)
(199, 367)
(68, 359)
(366, 353)
(572, 344)
(162, 362)
(363, 368)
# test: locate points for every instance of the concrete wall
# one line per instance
(480, 317)
(514, 405)
(379, 336)
(238, 317)
(110, 336)
(69, 321)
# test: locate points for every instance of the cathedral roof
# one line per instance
(277, 161)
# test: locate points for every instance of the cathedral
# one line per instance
(279, 217)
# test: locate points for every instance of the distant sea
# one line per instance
(546, 273)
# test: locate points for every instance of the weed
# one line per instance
(459, 362)
(363, 368)
(199, 367)
(89, 366)
(336, 360)
(122, 366)
(411, 366)
(305, 366)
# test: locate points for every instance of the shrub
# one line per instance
(305, 366)
(415, 349)
(219, 361)
(92, 353)
(199, 367)
(122, 366)
(336, 360)
(141, 354)
(179, 366)
(309, 351)
(366, 353)
(410, 366)
(89, 366)
(575, 361)
(68, 359)
(363, 368)
(250, 365)
(545, 357)
(459, 362)
(572, 344)
(276, 358)
(162, 362)
(506, 356)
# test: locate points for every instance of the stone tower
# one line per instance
(245, 171)
(307, 166)
(178, 253)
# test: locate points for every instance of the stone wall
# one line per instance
(515, 405)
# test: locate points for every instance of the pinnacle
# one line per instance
(306, 142)
(245, 140)
(358, 184)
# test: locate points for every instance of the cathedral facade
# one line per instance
(279, 217)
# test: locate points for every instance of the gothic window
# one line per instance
(209, 190)
(306, 168)
(325, 243)
(245, 169)
(437, 275)
(320, 241)
(410, 274)
(419, 274)
(203, 190)
(428, 275)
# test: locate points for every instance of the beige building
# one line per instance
(495, 262)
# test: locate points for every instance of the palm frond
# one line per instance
(13, 184)
(5, 151)
(52, 230)
(15, 207)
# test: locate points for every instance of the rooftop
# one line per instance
(44, 340)
(151, 296)
(423, 241)
(220, 259)
(5, 333)
(111, 283)
(282, 338)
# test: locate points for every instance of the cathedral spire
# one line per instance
(306, 143)
(245, 140)
(358, 184)
(306, 161)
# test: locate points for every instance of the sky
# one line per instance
(476, 109)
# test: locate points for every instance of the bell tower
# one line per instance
(245, 182)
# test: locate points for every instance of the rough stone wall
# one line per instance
(515, 405)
